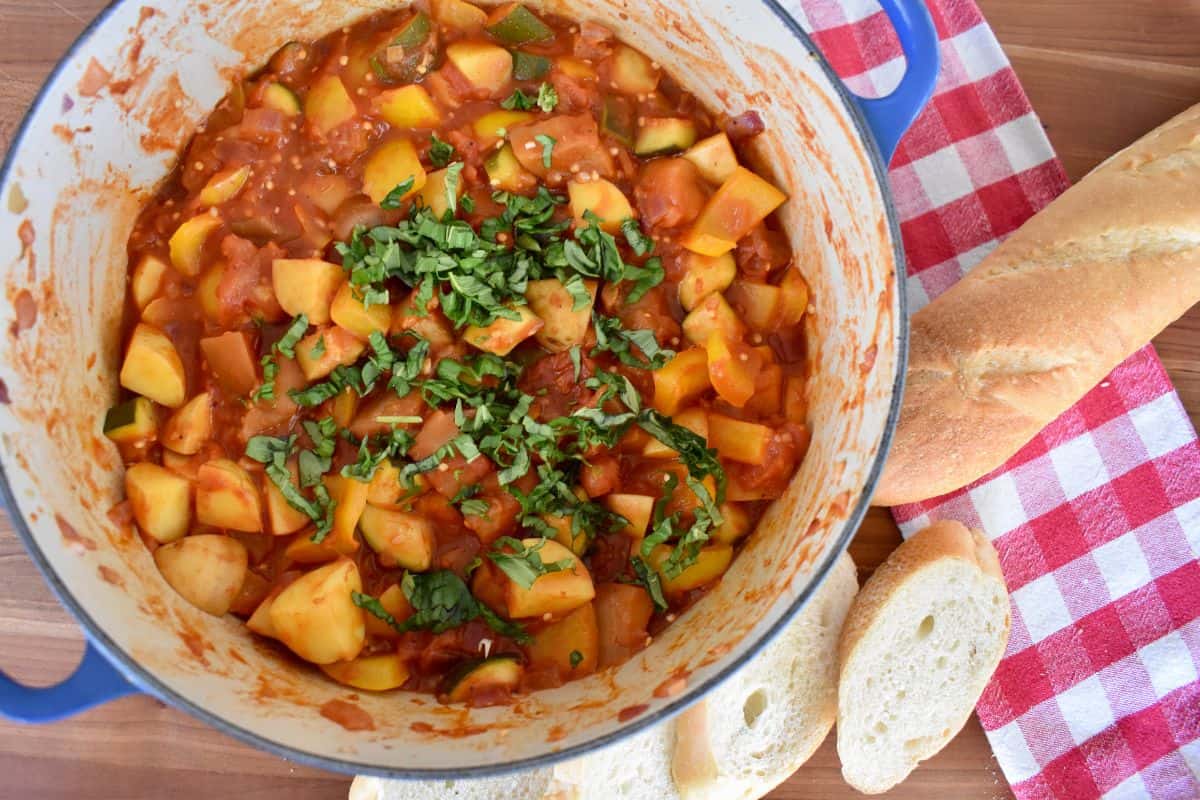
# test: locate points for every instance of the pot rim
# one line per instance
(144, 680)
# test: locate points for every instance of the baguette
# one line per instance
(1056, 307)
(919, 645)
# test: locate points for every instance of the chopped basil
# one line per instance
(453, 172)
(396, 195)
(547, 98)
(615, 338)
(576, 658)
(518, 101)
(547, 142)
(640, 243)
(523, 564)
(440, 152)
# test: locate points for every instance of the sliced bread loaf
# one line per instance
(919, 645)
(530, 785)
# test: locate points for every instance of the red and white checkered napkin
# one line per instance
(1097, 520)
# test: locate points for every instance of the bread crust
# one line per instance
(1074, 292)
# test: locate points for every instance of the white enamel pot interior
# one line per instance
(88, 158)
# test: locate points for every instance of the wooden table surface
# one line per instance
(1100, 73)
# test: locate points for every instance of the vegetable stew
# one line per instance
(464, 351)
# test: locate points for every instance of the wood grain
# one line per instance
(1099, 72)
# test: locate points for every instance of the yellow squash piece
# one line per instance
(190, 426)
(146, 279)
(187, 243)
(704, 275)
(738, 440)
(494, 125)
(152, 367)
(710, 564)
(712, 314)
(207, 570)
(408, 107)
(733, 369)
(306, 286)
(694, 419)
(370, 673)
(401, 539)
(681, 380)
(282, 99)
(326, 348)
(224, 186)
(572, 644)
(395, 603)
(795, 297)
(160, 500)
(505, 172)
(631, 72)
(226, 497)
(637, 509)
(345, 406)
(350, 497)
(735, 523)
(328, 104)
(282, 518)
(759, 304)
(315, 615)
(434, 193)
(390, 165)
(714, 158)
(486, 66)
(564, 326)
(554, 592)
(603, 199)
(743, 201)
(573, 67)
(206, 291)
(504, 334)
(348, 312)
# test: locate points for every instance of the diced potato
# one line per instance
(400, 538)
(743, 201)
(504, 334)
(795, 297)
(623, 611)
(282, 518)
(486, 66)
(494, 125)
(434, 194)
(564, 535)
(328, 104)
(226, 497)
(224, 186)
(260, 620)
(408, 107)
(427, 323)
(632, 72)
(395, 603)
(710, 564)
(738, 440)
(306, 286)
(636, 508)
(190, 426)
(345, 406)
(714, 157)
(378, 673)
(341, 347)
(552, 593)
(681, 380)
(350, 497)
(187, 243)
(459, 14)
(733, 369)
(348, 312)
(327, 192)
(152, 367)
(146, 280)
(795, 400)
(712, 314)
(390, 165)
(505, 171)
(767, 400)
(603, 199)
(303, 550)
(735, 523)
(572, 645)
(132, 422)
(161, 501)
(207, 570)
(206, 292)
(564, 327)
(759, 304)
(573, 67)
(703, 276)
(231, 359)
(694, 419)
(316, 617)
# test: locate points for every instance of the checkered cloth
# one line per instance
(1097, 521)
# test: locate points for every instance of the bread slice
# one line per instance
(530, 785)
(638, 768)
(754, 731)
(919, 645)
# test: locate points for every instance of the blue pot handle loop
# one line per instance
(94, 681)
(889, 117)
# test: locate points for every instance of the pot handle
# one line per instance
(94, 681)
(889, 117)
